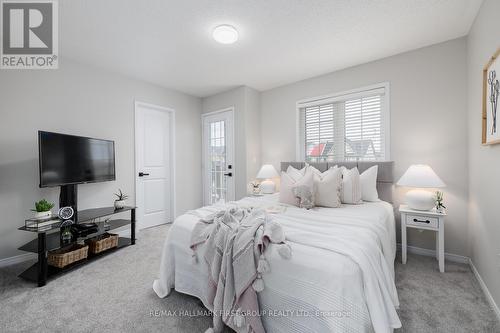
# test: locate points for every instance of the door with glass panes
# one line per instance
(218, 154)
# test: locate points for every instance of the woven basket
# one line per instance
(63, 257)
(102, 243)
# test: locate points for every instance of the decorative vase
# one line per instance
(43, 215)
(119, 204)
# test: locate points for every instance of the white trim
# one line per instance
(211, 113)
(387, 120)
(386, 114)
(337, 95)
(173, 186)
(432, 253)
(17, 259)
(204, 153)
(485, 289)
(300, 155)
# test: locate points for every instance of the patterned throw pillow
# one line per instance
(327, 187)
(305, 196)
(288, 183)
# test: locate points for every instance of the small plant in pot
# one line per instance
(440, 207)
(43, 209)
(120, 199)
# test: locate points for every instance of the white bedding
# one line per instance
(318, 289)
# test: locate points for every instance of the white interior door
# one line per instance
(218, 155)
(154, 164)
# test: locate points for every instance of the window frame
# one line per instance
(300, 150)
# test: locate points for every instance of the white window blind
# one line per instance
(345, 128)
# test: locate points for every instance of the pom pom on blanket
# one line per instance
(258, 284)
(285, 251)
(263, 266)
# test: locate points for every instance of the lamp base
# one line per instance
(267, 187)
(420, 200)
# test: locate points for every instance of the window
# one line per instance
(351, 126)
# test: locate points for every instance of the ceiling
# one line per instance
(169, 43)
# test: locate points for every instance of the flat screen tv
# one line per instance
(68, 159)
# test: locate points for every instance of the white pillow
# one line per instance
(288, 184)
(314, 170)
(351, 186)
(369, 184)
(327, 186)
(296, 174)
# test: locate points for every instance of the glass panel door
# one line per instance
(218, 154)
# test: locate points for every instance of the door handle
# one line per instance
(142, 174)
(421, 221)
(229, 174)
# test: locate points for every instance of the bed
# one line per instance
(320, 289)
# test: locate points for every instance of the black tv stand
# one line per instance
(49, 239)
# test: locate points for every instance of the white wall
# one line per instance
(82, 100)
(246, 104)
(484, 163)
(252, 133)
(428, 122)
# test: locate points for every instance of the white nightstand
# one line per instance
(425, 220)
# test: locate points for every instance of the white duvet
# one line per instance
(322, 287)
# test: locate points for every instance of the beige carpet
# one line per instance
(114, 295)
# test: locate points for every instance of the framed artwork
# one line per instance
(491, 93)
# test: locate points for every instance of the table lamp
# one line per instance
(420, 176)
(267, 172)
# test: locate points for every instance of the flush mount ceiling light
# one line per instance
(225, 34)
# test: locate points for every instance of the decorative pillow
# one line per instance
(327, 186)
(305, 196)
(369, 184)
(288, 183)
(296, 174)
(351, 186)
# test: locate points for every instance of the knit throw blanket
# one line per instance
(236, 240)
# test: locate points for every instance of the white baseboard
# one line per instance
(485, 289)
(432, 253)
(17, 259)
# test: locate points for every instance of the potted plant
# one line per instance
(120, 201)
(439, 202)
(43, 209)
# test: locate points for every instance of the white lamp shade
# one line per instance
(422, 176)
(267, 171)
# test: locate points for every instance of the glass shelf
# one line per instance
(85, 215)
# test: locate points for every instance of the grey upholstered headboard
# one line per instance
(385, 177)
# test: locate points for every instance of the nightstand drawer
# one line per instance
(422, 221)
